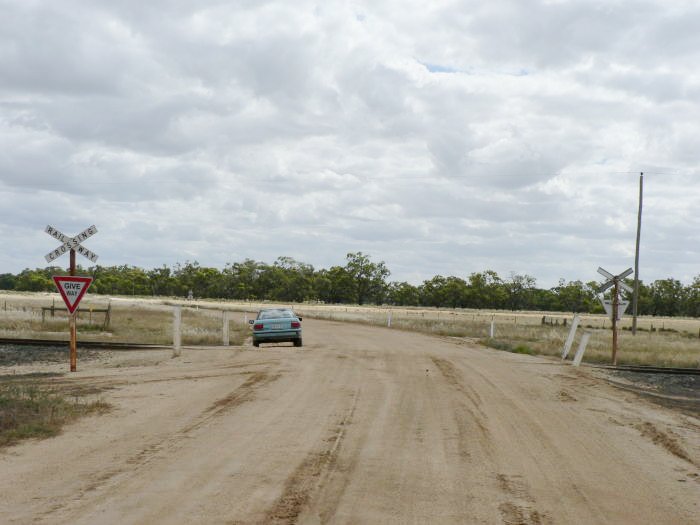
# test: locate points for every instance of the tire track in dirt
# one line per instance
(518, 510)
(242, 394)
(519, 507)
(469, 417)
(308, 478)
(668, 442)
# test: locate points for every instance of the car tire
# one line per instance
(297, 342)
(255, 343)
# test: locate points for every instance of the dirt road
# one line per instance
(361, 425)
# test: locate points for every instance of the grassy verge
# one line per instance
(31, 410)
(658, 348)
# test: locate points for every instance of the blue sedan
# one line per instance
(276, 325)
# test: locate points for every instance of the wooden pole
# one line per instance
(616, 291)
(72, 324)
(635, 295)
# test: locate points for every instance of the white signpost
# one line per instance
(72, 289)
(71, 243)
(570, 338)
(616, 305)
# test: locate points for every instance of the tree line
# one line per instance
(360, 281)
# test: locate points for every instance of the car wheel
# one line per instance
(297, 342)
(255, 343)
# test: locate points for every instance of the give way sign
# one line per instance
(72, 289)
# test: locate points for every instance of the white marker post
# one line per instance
(177, 337)
(491, 330)
(225, 327)
(581, 348)
(388, 321)
(570, 338)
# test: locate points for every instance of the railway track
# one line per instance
(105, 345)
(650, 369)
(138, 346)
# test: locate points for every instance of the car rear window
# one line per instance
(275, 314)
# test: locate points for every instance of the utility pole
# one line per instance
(635, 295)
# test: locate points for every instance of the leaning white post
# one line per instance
(177, 338)
(491, 330)
(581, 348)
(225, 327)
(570, 339)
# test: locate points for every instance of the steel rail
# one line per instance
(84, 344)
(642, 369)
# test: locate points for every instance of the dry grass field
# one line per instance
(132, 321)
(659, 341)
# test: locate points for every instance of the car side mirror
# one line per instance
(299, 318)
(251, 321)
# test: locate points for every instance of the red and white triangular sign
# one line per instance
(72, 289)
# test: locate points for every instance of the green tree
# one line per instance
(34, 281)
(403, 294)
(162, 281)
(519, 290)
(485, 290)
(369, 278)
(289, 280)
(335, 286)
(240, 280)
(574, 296)
(692, 301)
(7, 281)
(667, 297)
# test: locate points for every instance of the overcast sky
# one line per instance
(442, 137)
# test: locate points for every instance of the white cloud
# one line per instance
(447, 137)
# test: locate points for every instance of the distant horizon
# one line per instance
(597, 278)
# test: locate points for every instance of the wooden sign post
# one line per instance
(615, 282)
(72, 288)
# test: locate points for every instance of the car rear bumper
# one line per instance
(276, 337)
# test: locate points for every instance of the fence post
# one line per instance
(225, 327)
(491, 329)
(108, 315)
(570, 338)
(581, 348)
(177, 339)
(388, 321)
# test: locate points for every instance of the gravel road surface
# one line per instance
(361, 425)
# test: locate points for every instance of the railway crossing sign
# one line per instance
(615, 305)
(72, 289)
(71, 243)
(611, 279)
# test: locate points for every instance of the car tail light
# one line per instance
(258, 326)
(296, 324)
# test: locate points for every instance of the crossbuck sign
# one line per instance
(71, 243)
(616, 307)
